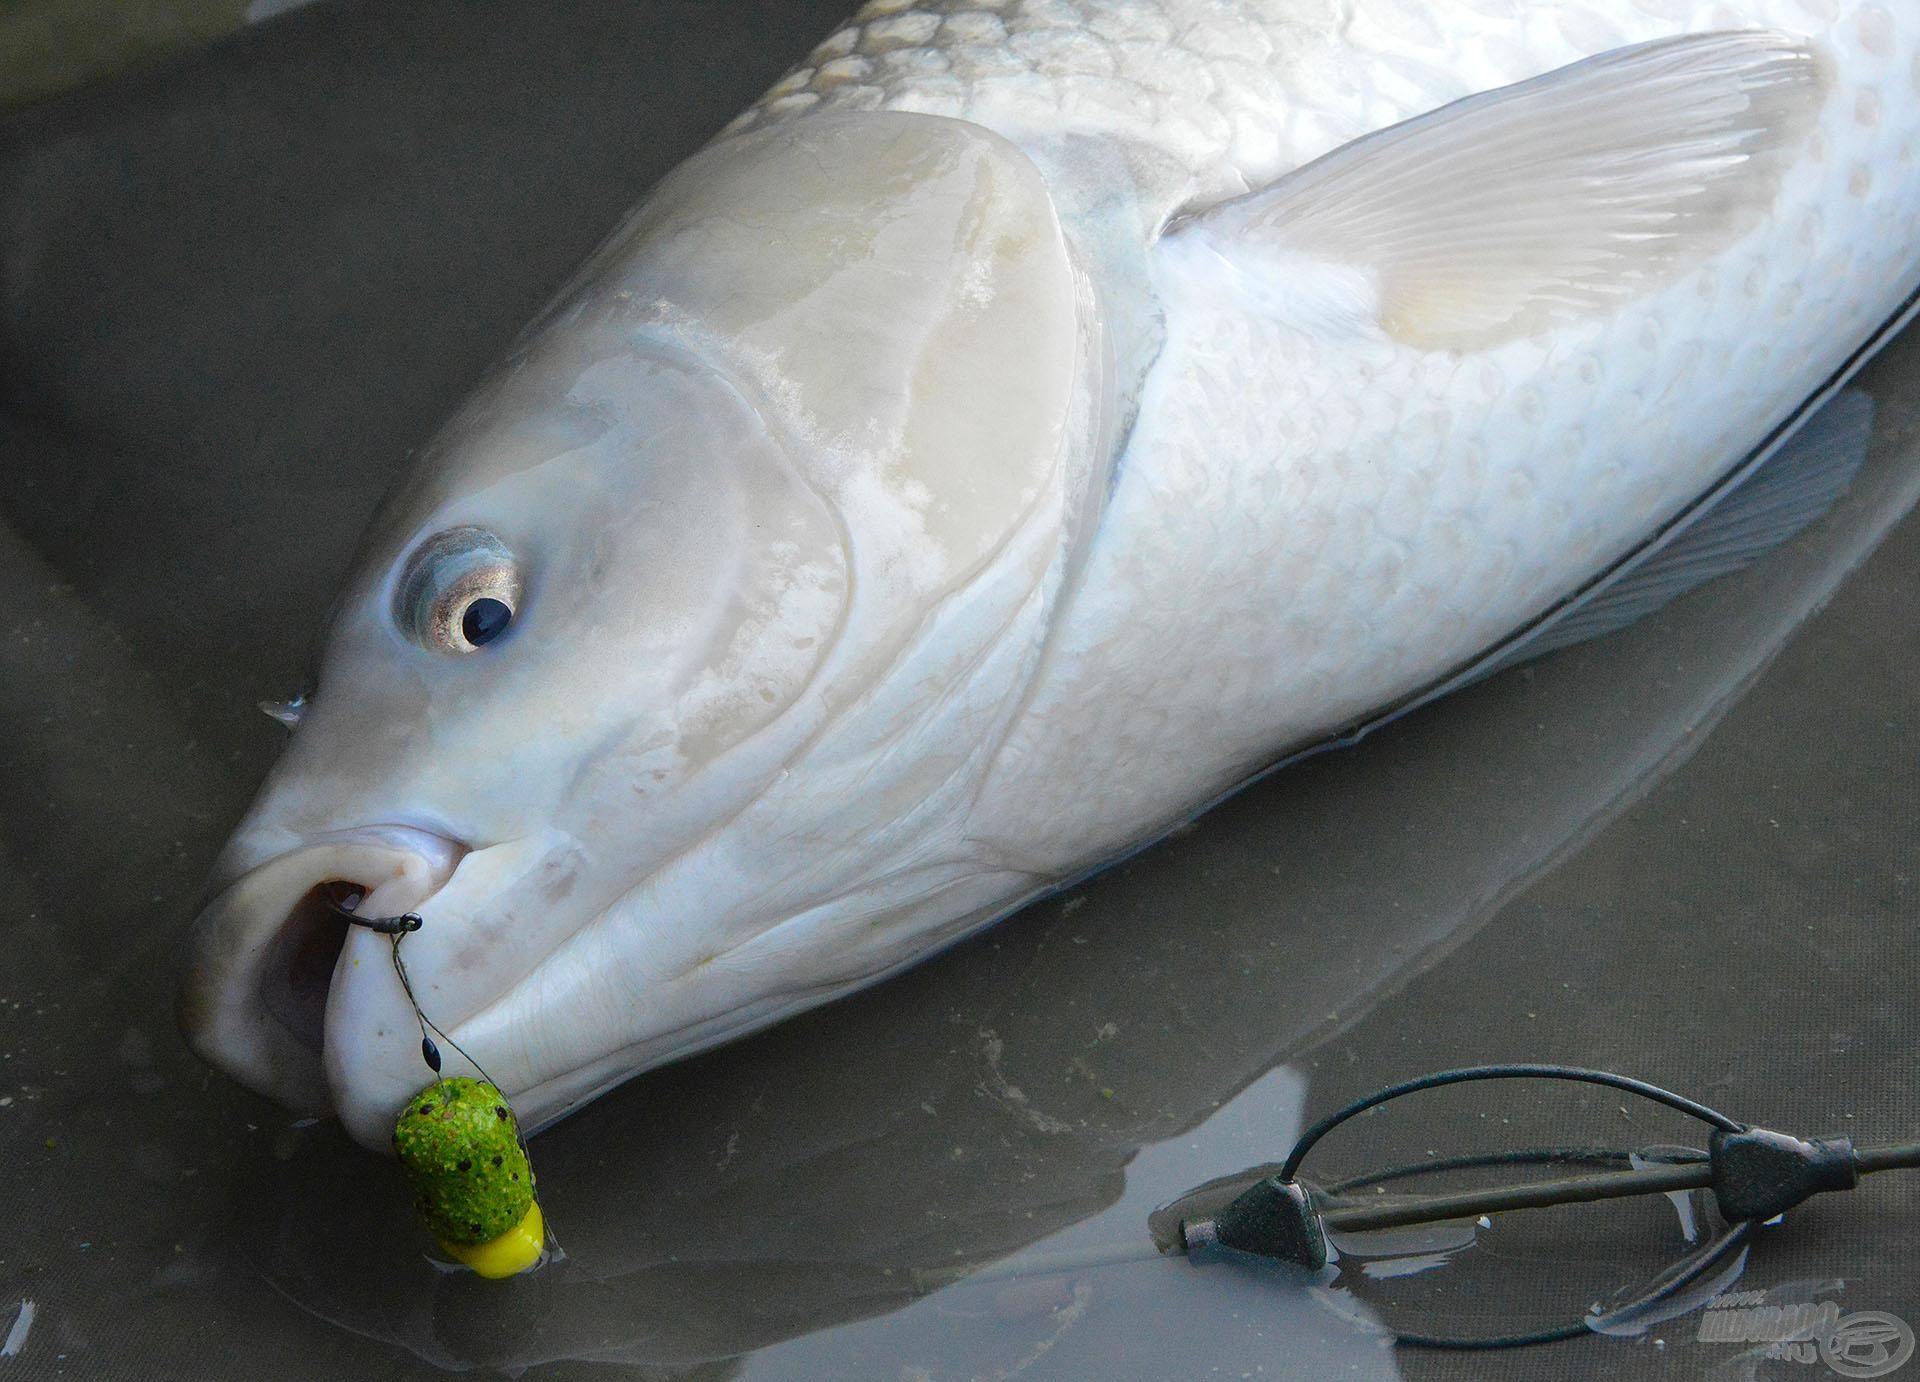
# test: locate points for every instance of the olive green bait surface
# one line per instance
(460, 1145)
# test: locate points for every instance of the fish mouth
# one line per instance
(267, 947)
(300, 963)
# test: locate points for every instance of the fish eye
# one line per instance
(459, 591)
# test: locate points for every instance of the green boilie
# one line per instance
(460, 1145)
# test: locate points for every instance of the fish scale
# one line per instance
(1233, 93)
(916, 513)
(1412, 507)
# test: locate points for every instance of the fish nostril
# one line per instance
(299, 972)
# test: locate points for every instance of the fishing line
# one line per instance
(397, 929)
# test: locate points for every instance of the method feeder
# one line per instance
(1756, 1175)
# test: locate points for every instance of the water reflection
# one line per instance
(1128, 1318)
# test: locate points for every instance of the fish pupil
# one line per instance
(485, 620)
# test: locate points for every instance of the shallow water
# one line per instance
(239, 286)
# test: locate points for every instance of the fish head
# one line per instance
(658, 689)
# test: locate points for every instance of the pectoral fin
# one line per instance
(1790, 488)
(1536, 204)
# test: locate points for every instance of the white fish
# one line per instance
(1029, 421)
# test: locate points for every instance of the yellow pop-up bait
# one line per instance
(472, 1184)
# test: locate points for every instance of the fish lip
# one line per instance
(241, 934)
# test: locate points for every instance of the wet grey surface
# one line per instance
(237, 288)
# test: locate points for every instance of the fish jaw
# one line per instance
(266, 948)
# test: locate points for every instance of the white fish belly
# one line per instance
(1308, 527)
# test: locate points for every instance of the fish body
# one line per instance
(1023, 425)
